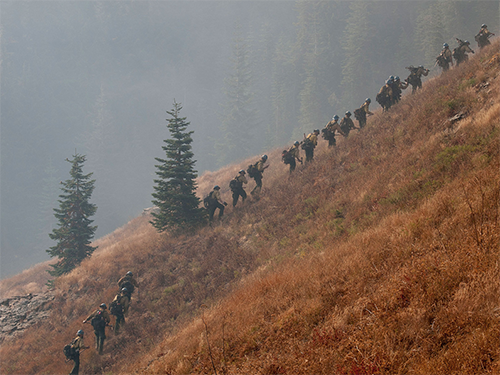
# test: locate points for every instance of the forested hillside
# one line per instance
(98, 77)
(380, 257)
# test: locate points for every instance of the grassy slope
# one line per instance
(381, 257)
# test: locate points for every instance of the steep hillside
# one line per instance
(379, 257)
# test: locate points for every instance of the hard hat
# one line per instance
(445, 45)
(421, 66)
(388, 81)
(467, 42)
(79, 333)
(216, 187)
(483, 26)
(103, 305)
(348, 113)
(391, 77)
(264, 157)
(242, 171)
(296, 143)
(124, 289)
(397, 78)
(335, 117)
(368, 100)
(129, 273)
(316, 131)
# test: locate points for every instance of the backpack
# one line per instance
(358, 114)
(98, 321)
(69, 351)
(116, 308)
(234, 184)
(207, 201)
(127, 284)
(307, 144)
(287, 156)
(252, 170)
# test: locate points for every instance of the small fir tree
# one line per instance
(74, 232)
(175, 188)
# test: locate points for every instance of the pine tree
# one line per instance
(239, 120)
(74, 230)
(175, 188)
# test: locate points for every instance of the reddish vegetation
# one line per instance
(379, 258)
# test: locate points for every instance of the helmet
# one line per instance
(316, 131)
(129, 273)
(124, 289)
(368, 100)
(388, 81)
(103, 305)
(335, 117)
(483, 26)
(396, 78)
(296, 143)
(216, 187)
(348, 114)
(242, 171)
(264, 157)
(445, 45)
(79, 333)
(421, 66)
(466, 42)
(391, 78)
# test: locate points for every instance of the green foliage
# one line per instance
(175, 188)
(73, 215)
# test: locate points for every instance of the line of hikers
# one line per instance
(100, 319)
(388, 95)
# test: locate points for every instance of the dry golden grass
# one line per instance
(381, 257)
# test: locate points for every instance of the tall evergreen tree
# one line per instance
(239, 120)
(74, 230)
(175, 188)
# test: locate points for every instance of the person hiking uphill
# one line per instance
(445, 59)
(346, 124)
(256, 171)
(362, 112)
(482, 37)
(119, 307)
(309, 144)
(330, 130)
(236, 186)
(289, 156)
(99, 319)
(460, 52)
(213, 202)
(130, 283)
(77, 346)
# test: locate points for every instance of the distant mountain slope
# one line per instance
(379, 257)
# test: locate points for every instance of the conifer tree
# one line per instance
(175, 188)
(74, 230)
(239, 119)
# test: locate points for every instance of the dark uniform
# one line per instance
(346, 124)
(329, 131)
(77, 345)
(362, 112)
(238, 191)
(215, 203)
(444, 60)
(310, 144)
(415, 77)
(123, 302)
(258, 175)
(384, 96)
(482, 38)
(460, 53)
(102, 319)
(128, 282)
(294, 153)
